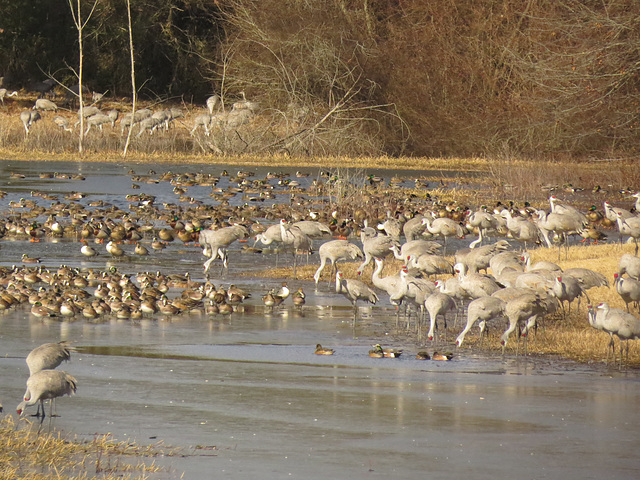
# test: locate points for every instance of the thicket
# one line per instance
(554, 78)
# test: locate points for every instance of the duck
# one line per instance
(157, 244)
(87, 250)
(320, 350)
(140, 249)
(422, 356)
(298, 297)
(442, 356)
(386, 352)
(28, 259)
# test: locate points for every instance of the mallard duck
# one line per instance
(442, 356)
(320, 350)
(592, 233)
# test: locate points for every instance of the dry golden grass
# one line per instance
(26, 453)
(571, 337)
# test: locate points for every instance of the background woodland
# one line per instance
(552, 79)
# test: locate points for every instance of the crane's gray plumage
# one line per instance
(47, 385)
(477, 259)
(521, 229)
(615, 322)
(415, 248)
(481, 310)
(48, 356)
(375, 247)
(628, 289)
(28, 118)
(213, 103)
(355, 290)
(3, 94)
(45, 105)
(630, 265)
(335, 251)
(629, 226)
(216, 242)
(437, 303)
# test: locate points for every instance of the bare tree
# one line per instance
(133, 81)
(80, 25)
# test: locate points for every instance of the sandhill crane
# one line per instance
(245, 104)
(270, 235)
(3, 94)
(63, 123)
(45, 105)
(443, 227)
(97, 120)
(567, 288)
(542, 265)
(479, 258)
(630, 265)
(296, 239)
(216, 242)
(45, 385)
(48, 356)
(527, 307)
(475, 284)
(389, 284)
(413, 228)
(415, 248)
(629, 226)
(312, 228)
(628, 289)
(539, 281)
(481, 309)
(561, 224)
(129, 121)
(431, 264)
(612, 213)
(564, 209)
(28, 118)
(484, 222)
(391, 227)
(213, 103)
(521, 229)
(335, 251)
(619, 323)
(354, 290)
(438, 303)
(508, 260)
(587, 277)
(375, 247)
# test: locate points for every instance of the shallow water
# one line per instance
(244, 396)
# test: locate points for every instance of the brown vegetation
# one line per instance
(335, 77)
(27, 453)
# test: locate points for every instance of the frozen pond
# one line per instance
(244, 396)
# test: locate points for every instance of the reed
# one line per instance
(27, 453)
